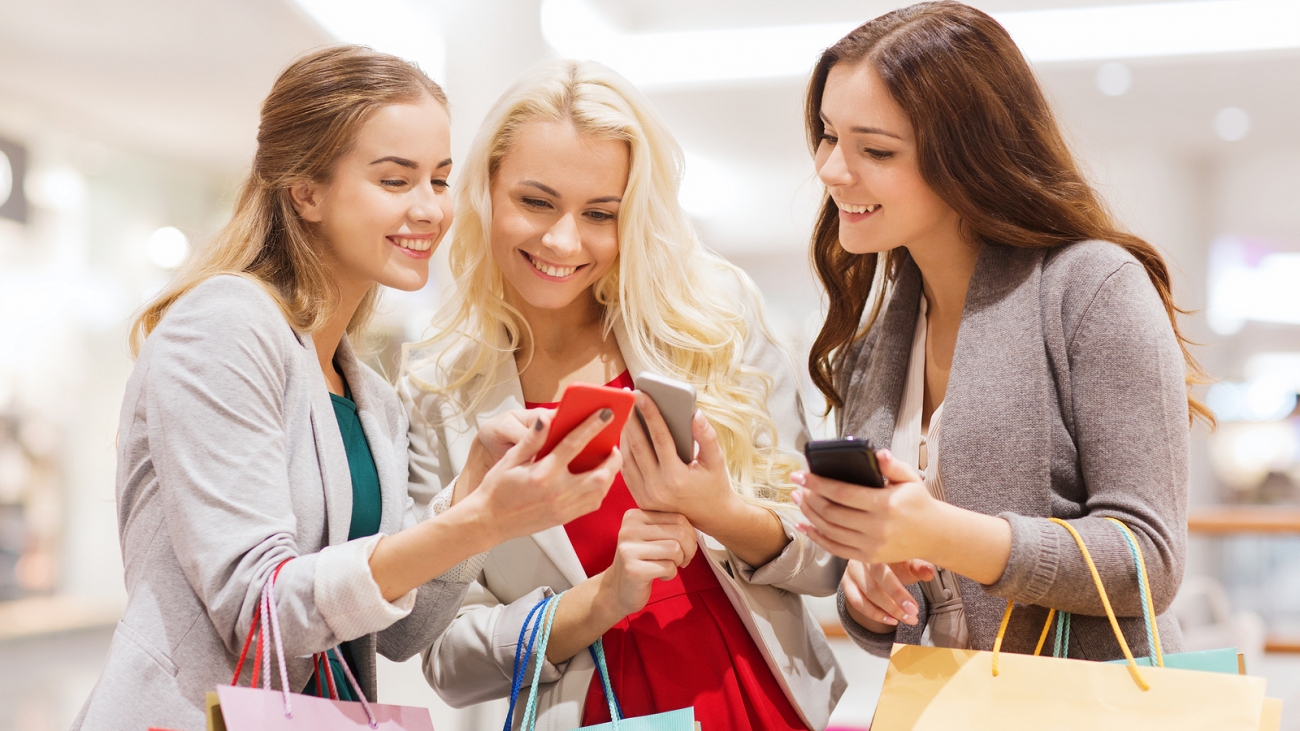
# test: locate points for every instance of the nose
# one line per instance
(834, 171)
(563, 238)
(425, 208)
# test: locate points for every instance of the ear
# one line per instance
(306, 199)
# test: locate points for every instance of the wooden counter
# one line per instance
(1228, 519)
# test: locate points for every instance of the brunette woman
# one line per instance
(996, 331)
(252, 439)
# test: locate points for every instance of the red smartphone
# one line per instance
(579, 401)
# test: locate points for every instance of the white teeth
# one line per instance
(550, 270)
(414, 244)
(850, 208)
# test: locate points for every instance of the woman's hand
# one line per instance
(701, 491)
(651, 546)
(900, 522)
(866, 524)
(876, 594)
(493, 440)
(519, 496)
(660, 481)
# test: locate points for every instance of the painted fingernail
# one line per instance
(907, 618)
(797, 497)
(798, 478)
(606, 414)
(537, 425)
(909, 607)
(890, 620)
(885, 454)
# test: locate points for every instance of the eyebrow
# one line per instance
(409, 163)
(554, 193)
(864, 130)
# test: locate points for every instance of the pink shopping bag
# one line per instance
(233, 708)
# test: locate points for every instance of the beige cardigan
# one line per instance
(472, 661)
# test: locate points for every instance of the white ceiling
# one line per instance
(183, 80)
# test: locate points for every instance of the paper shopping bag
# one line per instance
(678, 720)
(933, 688)
(234, 708)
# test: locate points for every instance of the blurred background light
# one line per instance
(709, 189)
(61, 189)
(576, 29)
(1247, 284)
(6, 178)
(404, 28)
(167, 247)
(1114, 78)
(1232, 124)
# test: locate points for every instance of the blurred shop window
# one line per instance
(30, 505)
(13, 172)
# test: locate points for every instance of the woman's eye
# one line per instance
(601, 216)
(439, 184)
(878, 154)
(828, 139)
(392, 183)
(536, 203)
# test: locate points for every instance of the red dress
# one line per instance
(687, 647)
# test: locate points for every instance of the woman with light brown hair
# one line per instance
(994, 330)
(254, 443)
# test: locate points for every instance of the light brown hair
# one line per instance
(988, 145)
(309, 120)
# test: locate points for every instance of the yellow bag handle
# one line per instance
(1105, 602)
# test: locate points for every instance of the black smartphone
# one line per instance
(849, 460)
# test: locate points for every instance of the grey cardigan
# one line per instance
(230, 461)
(1066, 399)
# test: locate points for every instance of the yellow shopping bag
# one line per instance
(940, 689)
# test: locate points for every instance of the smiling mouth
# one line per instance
(550, 270)
(420, 244)
(850, 208)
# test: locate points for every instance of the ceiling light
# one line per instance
(664, 59)
(1114, 78)
(1232, 124)
(404, 28)
(167, 247)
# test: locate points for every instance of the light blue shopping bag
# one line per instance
(540, 618)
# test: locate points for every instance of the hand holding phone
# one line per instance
(676, 403)
(849, 460)
(579, 401)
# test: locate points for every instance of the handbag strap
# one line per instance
(529, 722)
(517, 672)
(1105, 603)
(253, 630)
(597, 650)
(1148, 605)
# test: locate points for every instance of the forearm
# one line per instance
(970, 544)
(751, 532)
(406, 560)
(580, 620)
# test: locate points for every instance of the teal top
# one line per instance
(367, 506)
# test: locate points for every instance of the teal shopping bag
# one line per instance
(540, 618)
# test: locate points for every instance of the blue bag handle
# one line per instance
(517, 672)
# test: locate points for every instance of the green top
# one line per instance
(367, 506)
(366, 503)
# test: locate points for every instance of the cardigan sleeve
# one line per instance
(1128, 399)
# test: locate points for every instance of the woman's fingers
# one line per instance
(859, 601)
(829, 529)
(575, 441)
(832, 512)
(910, 572)
(709, 453)
(898, 601)
(834, 547)
(532, 440)
(844, 493)
(893, 470)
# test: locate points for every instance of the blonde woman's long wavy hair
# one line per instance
(309, 120)
(681, 314)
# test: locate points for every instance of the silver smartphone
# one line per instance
(676, 401)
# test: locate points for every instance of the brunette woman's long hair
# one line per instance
(988, 144)
(309, 120)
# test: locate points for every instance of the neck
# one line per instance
(570, 329)
(328, 337)
(946, 263)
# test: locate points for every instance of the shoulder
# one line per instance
(226, 307)
(1102, 283)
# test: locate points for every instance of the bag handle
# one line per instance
(1105, 603)
(265, 609)
(517, 673)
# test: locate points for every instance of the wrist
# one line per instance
(606, 610)
(716, 518)
(473, 523)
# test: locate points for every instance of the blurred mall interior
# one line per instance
(125, 127)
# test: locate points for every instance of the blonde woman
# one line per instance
(253, 441)
(574, 263)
